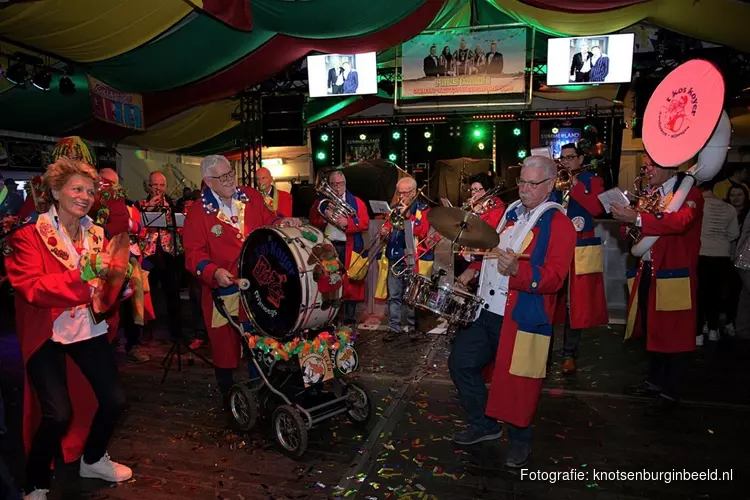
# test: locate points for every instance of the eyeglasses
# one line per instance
(521, 182)
(337, 184)
(405, 192)
(476, 190)
(224, 177)
(568, 157)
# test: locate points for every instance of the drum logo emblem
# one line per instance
(675, 116)
(346, 359)
(316, 368)
(266, 276)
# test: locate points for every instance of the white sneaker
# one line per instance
(36, 495)
(729, 329)
(106, 469)
(699, 341)
(713, 335)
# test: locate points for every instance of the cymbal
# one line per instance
(476, 233)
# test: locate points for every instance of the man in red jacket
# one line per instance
(279, 202)
(663, 287)
(215, 231)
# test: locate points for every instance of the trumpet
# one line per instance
(397, 217)
(485, 202)
(336, 206)
(564, 180)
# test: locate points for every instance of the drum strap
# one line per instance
(410, 248)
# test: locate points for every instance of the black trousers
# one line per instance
(127, 321)
(350, 306)
(47, 374)
(166, 270)
(713, 287)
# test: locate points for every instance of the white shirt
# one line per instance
(75, 324)
(720, 228)
(664, 191)
(229, 211)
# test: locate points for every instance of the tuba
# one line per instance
(684, 117)
(337, 206)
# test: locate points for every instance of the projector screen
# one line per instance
(590, 60)
(342, 74)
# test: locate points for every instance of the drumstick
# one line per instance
(242, 283)
(493, 255)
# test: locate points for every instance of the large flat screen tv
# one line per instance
(342, 74)
(590, 60)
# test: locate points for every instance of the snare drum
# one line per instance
(283, 297)
(455, 305)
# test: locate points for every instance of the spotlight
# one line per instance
(324, 137)
(396, 135)
(362, 137)
(555, 130)
(427, 134)
(480, 146)
(42, 80)
(321, 155)
(429, 148)
(392, 157)
(516, 131)
(17, 74)
(66, 85)
(477, 133)
(521, 154)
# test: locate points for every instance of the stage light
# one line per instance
(481, 145)
(516, 131)
(427, 134)
(17, 74)
(66, 85)
(42, 80)
(392, 157)
(429, 148)
(521, 154)
(477, 133)
(321, 155)
(555, 130)
(396, 135)
(362, 137)
(324, 137)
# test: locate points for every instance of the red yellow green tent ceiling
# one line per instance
(188, 57)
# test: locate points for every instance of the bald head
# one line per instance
(109, 175)
(157, 181)
(265, 179)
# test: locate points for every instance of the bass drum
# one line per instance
(283, 297)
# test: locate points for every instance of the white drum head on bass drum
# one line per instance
(683, 112)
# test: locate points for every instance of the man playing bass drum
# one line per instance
(586, 304)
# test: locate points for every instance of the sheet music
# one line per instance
(380, 207)
(154, 219)
(544, 151)
(614, 196)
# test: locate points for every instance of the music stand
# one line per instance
(158, 220)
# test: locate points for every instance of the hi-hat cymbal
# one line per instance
(448, 222)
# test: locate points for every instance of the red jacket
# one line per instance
(45, 287)
(285, 204)
(673, 288)
(210, 244)
(353, 290)
(514, 398)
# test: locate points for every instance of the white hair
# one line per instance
(210, 162)
(336, 172)
(542, 162)
(407, 180)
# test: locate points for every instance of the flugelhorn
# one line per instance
(564, 180)
(337, 206)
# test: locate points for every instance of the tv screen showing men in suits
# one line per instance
(342, 74)
(464, 62)
(590, 60)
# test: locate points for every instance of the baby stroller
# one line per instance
(302, 367)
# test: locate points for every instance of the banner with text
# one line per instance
(112, 106)
(464, 62)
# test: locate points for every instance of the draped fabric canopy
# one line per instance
(187, 57)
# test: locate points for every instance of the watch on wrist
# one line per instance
(638, 220)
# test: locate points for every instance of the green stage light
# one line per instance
(321, 155)
(429, 148)
(324, 137)
(392, 157)
(480, 145)
(521, 154)
(396, 135)
(516, 131)
(362, 137)
(555, 130)
(427, 134)
(477, 133)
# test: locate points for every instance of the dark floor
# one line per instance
(181, 446)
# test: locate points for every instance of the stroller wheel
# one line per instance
(361, 404)
(290, 431)
(244, 406)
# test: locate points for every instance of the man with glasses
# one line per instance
(162, 251)
(416, 212)
(215, 230)
(520, 289)
(583, 299)
(347, 237)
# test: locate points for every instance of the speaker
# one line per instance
(303, 198)
(284, 120)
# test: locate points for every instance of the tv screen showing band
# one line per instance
(590, 60)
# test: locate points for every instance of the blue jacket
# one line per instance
(397, 240)
(351, 83)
